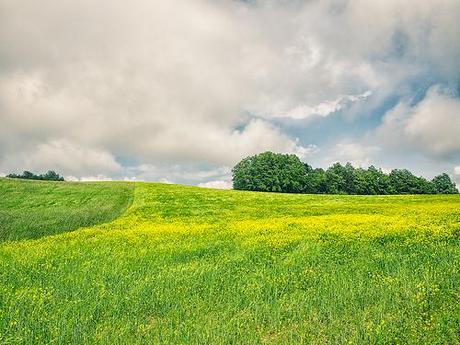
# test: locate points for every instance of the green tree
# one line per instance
(273, 172)
(315, 182)
(404, 182)
(29, 175)
(377, 182)
(443, 185)
(52, 176)
(340, 179)
(270, 172)
(49, 176)
(362, 183)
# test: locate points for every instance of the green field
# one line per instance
(184, 265)
(31, 209)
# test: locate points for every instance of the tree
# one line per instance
(334, 182)
(315, 182)
(377, 182)
(274, 172)
(443, 185)
(404, 182)
(28, 175)
(340, 179)
(49, 176)
(270, 172)
(363, 182)
(348, 174)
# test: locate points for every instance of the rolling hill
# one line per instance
(117, 263)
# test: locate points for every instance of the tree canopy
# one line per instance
(270, 172)
(442, 184)
(274, 172)
(48, 176)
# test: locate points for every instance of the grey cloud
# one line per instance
(431, 127)
(62, 156)
(168, 82)
(457, 175)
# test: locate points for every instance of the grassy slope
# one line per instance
(32, 209)
(188, 265)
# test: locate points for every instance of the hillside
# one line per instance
(32, 209)
(190, 265)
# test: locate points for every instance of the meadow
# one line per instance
(184, 265)
(33, 209)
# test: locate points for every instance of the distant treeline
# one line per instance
(272, 172)
(49, 176)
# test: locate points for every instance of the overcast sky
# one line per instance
(181, 90)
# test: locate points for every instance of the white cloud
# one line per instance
(358, 154)
(259, 136)
(457, 176)
(219, 184)
(88, 178)
(431, 127)
(167, 82)
(325, 108)
(166, 181)
(212, 144)
(434, 124)
(64, 157)
(176, 173)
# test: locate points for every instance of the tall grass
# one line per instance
(32, 209)
(188, 265)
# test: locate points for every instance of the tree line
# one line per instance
(49, 176)
(274, 172)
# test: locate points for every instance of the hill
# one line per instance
(190, 265)
(32, 209)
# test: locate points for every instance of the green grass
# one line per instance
(32, 209)
(185, 265)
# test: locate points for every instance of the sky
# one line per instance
(179, 91)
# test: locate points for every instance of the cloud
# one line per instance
(166, 181)
(88, 178)
(180, 87)
(62, 156)
(147, 90)
(259, 136)
(431, 126)
(219, 184)
(348, 150)
(174, 173)
(434, 124)
(325, 108)
(457, 176)
(209, 143)
(357, 154)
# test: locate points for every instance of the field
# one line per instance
(33, 209)
(185, 265)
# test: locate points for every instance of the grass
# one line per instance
(187, 265)
(32, 209)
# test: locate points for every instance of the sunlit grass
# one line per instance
(189, 265)
(32, 209)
